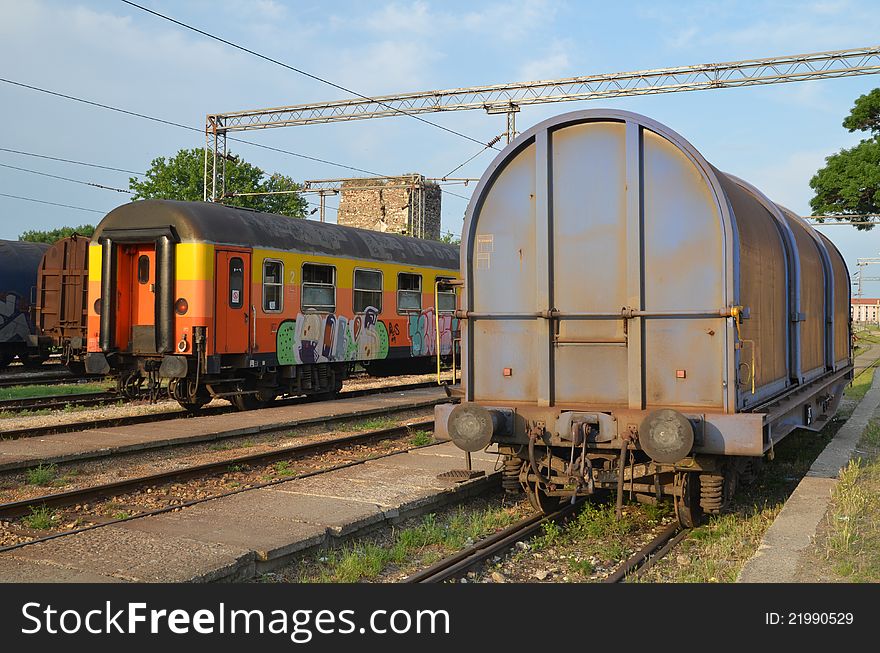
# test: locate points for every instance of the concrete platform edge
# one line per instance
(205, 437)
(778, 556)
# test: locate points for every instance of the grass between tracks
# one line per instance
(429, 539)
(848, 546)
(32, 391)
(716, 551)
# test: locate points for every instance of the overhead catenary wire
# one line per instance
(80, 163)
(302, 72)
(75, 181)
(172, 123)
(66, 206)
(462, 165)
(179, 125)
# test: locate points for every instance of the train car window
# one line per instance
(445, 297)
(367, 290)
(318, 288)
(143, 269)
(409, 292)
(236, 282)
(273, 286)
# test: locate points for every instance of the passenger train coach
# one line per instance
(226, 302)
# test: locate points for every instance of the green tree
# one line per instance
(181, 178)
(54, 235)
(449, 238)
(849, 184)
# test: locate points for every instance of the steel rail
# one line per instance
(187, 504)
(645, 557)
(466, 559)
(52, 402)
(71, 497)
(54, 379)
(131, 420)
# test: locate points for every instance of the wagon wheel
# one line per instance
(687, 506)
(540, 500)
(248, 399)
(129, 385)
(182, 391)
(31, 361)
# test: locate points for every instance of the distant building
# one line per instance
(865, 309)
(408, 205)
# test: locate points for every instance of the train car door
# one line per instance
(232, 301)
(143, 298)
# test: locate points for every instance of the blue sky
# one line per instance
(774, 136)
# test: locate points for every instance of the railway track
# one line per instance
(59, 402)
(12, 380)
(130, 420)
(643, 559)
(13, 510)
(467, 559)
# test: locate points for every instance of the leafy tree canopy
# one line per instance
(54, 235)
(181, 178)
(449, 238)
(849, 184)
(865, 115)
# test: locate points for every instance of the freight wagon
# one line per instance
(635, 319)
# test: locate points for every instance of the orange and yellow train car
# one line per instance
(248, 306)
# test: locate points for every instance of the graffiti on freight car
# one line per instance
(14, 325)
(320, 338)
(423, 334)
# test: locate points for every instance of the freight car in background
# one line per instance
(19, 262)
(634, 319)
(226, 302)
(61, 309)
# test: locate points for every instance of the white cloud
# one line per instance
(500, 21)
(683, 38)
(787, 180)
(384, 67)
(829, 7)
(414, 18)
(511, 20)
(554, 63)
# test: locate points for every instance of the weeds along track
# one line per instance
(534, 526)
(469, 558)
(643, 559)
(59, 402)
(178, 413)
(49, 516)
(54, 377)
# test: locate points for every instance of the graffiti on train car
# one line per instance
(14, 324)
(322, 338)
(423, 334)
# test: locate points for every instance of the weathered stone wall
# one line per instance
(392, 209)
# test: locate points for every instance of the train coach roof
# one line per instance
(219, 224)
(18, 265)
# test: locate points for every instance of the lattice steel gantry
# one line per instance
(508, 98)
